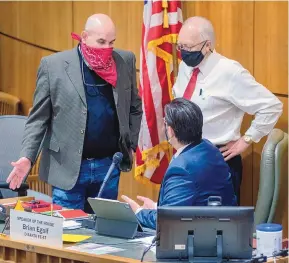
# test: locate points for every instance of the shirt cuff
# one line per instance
(138, 210)
(30, 157)
(141, 208)
(254, 134)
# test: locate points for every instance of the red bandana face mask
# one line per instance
(100, 60)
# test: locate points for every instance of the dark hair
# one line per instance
(186, 120)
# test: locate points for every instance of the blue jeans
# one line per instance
(91, 175)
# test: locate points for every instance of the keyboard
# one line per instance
(144, 234)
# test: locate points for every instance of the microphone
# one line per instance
(3, 213)
(116, 159)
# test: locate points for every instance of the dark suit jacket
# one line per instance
(59, 116)
(197, 173)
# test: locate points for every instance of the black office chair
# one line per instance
(11, 134)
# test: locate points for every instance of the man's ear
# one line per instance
(171, 132)
(84, 36)
(208, 46)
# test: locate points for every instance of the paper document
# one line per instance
(71, 224)
(146, 241)
(74, 238)
(96, 249)
(143, 240)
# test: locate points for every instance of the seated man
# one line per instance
(197, 170)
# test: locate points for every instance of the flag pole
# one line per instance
(174, 45)
(175, 62)
(175, 72)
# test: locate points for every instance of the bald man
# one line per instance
(224, 91)
(86, 108)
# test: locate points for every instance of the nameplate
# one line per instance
(37, 228)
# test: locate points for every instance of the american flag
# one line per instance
(162, 21)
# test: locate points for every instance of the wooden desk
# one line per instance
(20, 252)
(17, 251)
(14, 199)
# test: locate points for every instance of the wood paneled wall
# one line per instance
(253, 33)
(18, 66)
(43, 23)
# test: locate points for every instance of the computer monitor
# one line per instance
(205, 232)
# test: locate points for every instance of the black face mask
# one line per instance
(192, 58)
(166, 133)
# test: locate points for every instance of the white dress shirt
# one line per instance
(179, 151)
(225, 91)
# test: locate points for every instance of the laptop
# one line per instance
(117, 219)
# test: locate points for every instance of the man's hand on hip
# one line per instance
(20, 170)
(234, 148)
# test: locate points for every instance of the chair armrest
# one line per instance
(22, 187)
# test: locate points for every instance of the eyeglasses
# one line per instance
(181, 47)
(165, 122)
(91, 89)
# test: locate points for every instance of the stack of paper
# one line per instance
(96, 249)
(72, 214)
(71, 224)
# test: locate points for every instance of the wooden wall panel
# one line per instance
(128, 23)
(233, 24)
(9, 17)
(18, 68)
(271, 45)
(132, 188)
(247, 176)
(44, 23)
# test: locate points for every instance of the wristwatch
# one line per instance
(247, 139)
